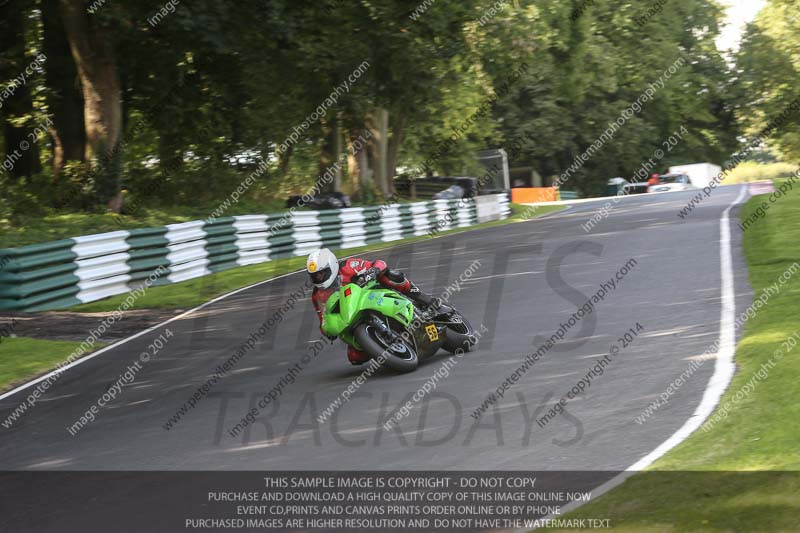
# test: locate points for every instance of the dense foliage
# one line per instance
(768, 71)
(178, 103)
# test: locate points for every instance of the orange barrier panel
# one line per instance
(535, 194)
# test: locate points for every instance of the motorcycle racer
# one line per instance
(328, 274)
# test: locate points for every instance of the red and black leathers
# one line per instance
(349, 270)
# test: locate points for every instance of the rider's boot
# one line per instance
(425, 299)
(398, 281)
(356, 357)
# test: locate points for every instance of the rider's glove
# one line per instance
(371, 274)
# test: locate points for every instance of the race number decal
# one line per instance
(433, 333)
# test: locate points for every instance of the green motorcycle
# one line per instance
(390, 328)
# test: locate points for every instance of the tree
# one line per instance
(21, 152)
(195, 99)
(768, 66)
(587, 70)
(64, 98)
(93, 51)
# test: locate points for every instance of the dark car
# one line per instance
(450, 193)
(325, 200)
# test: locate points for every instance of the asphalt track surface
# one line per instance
(673, 291)
(532, 277)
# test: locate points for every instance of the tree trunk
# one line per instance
(395, 142)
(283, 161)
(170, 151)
(352, 170)
(358, 163)
(93, 53)
(64, 97)
(327, 152)
(21, 151)
(337, 149)
(380, 135)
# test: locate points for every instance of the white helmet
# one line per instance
(323, 268)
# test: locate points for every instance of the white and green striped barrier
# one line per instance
(69, 272)
(567, 195)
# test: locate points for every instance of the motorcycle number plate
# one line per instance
(433, 333)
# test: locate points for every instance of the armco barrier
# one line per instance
(490, 207)
(68, 272)
(567, 195)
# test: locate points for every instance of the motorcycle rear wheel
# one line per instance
(397, 354)
(459, 335)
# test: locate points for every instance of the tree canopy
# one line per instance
(181, 101)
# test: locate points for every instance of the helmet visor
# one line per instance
(321, 276)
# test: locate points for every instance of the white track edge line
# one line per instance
(719, 381)
(136, 335)
(120, 342)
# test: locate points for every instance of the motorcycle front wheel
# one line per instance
(391, 351)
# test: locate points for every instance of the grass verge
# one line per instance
(189, 294)
(24, 359)
(741, 474)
